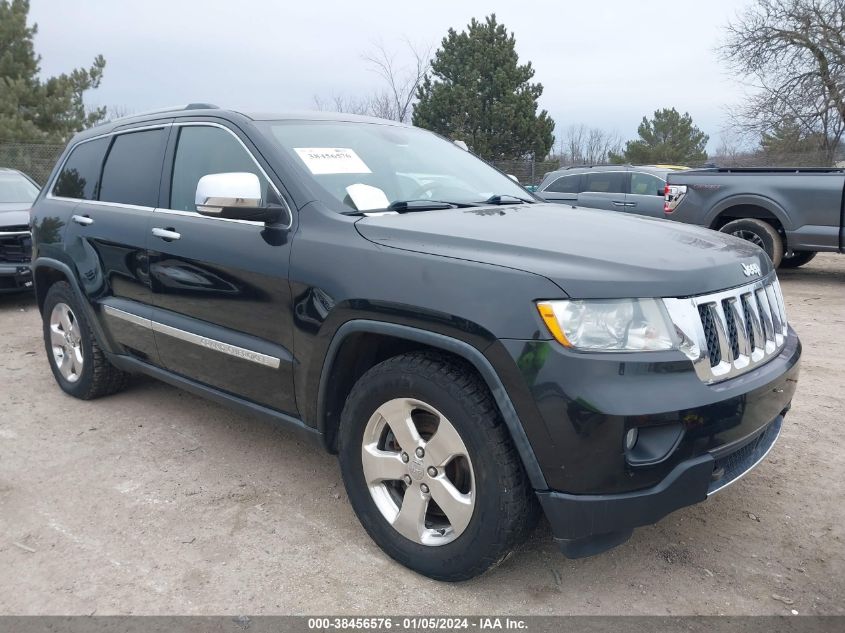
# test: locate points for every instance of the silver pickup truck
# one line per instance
(790, 213)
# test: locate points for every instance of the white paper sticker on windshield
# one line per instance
(332, 160)
(367, 197)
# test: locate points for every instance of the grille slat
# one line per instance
(731, 332)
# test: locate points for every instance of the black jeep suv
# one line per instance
(471, 353)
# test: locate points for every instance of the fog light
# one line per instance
(631, 439)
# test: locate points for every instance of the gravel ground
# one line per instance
(157, 502)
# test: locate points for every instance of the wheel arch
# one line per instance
(750, 206)
(46, 272)
(344, 364)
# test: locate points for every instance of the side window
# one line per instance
(80, 175)
(204, 150)
(604, 182)
(646, 184)
(565, 184)
(133, 168)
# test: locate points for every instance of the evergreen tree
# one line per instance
(32, 109)
(668, 137)
(478, 92)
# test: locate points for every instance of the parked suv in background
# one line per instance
(629, 188)
(17, 193)
(471, 353)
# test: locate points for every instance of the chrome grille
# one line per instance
(728, 333)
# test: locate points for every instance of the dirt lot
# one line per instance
(156, 502)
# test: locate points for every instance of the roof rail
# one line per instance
(599, 165)
(176, 108)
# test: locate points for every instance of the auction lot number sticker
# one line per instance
(332, 160)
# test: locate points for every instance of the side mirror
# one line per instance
(514, 178)
(234, 196)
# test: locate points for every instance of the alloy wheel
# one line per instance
(750, 236)
(418, 471)
(66, 342)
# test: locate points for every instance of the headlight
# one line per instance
(613, 325)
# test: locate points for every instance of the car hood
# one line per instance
(588, 253)
(14, 213)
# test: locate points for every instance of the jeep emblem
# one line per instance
(751, 269)
(416, 469)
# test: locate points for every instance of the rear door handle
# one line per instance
(624, 204)
(84, 220)
(168, 235)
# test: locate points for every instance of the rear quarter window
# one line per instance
(80, 175)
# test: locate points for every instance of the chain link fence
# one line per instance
(36, 160)
(527, 171)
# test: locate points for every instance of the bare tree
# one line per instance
(793, 51)
(395, 100)
(581, 144)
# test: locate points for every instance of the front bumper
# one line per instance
(15, 277)
(589, 524)
(578, 408)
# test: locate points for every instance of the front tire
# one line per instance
(760, 233)
(798, 258)
(79, 365)
(430, 469)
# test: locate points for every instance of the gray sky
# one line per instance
(604, 63)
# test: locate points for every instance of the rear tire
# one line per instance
(798, 258)
(78, 364)
(760, 233)
(432, 391)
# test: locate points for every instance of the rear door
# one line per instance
(603, 189)
(115, 182)
(645, 195)
(223, 311)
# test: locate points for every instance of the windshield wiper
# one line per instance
(507, 199)
(410, 206)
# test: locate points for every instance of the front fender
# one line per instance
(448, 344)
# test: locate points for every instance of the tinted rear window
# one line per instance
(604, 182)
(133, 168)
(80, 175)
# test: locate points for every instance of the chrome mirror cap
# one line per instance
(235, 189)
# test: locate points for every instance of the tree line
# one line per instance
(475, 89)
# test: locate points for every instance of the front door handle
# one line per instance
(168, 235)
(624, 204)
(84, 220)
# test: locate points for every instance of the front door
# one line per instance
(222, 312)
(646, 195)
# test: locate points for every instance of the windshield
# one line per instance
(16, 188)
(367, 166)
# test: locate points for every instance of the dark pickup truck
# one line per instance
(792, 214)
(471, 353)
